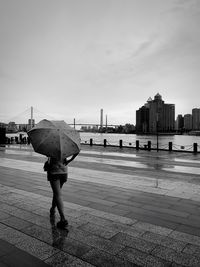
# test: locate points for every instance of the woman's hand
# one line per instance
(66, 162)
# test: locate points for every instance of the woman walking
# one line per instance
(57, 174)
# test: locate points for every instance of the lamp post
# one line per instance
(74, 123)
(31, 117)
(157, 128)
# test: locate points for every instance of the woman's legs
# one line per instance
(57, 198)
(53, 207)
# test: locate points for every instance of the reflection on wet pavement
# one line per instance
(186, 160)
(118, 154)
(159, 166)
(183, 169)
(156, 166)
(21, 152)
(116, 162)
(58, 236)
(153, 164)
(99, 153)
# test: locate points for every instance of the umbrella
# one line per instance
(54, 139)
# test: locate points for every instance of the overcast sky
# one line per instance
(70, 58)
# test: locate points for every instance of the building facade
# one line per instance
(155, 116)
(195, 119)
(188, 122)
(142, 120)
(179, 122)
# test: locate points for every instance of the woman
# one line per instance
(57, 175)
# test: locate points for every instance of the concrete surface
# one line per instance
(125, 208)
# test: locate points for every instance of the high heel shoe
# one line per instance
(62, 224)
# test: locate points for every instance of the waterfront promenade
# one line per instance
(125, 208)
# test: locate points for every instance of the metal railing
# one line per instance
(144, 145)
(138, 145)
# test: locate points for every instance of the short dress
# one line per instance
(57, 170)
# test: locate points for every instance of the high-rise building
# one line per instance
(156, 116)
(156, 112)
(188, 122)
(179, 122)
(196, 119)
(142, 120)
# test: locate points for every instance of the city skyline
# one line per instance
(102, 120)
(69, 59)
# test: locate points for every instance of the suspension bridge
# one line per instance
(31, 116)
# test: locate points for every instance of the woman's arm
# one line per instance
(66, 162)
(47, 165)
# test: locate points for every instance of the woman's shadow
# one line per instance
(58, 235)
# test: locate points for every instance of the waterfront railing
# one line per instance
(145, 146)
(138, 145)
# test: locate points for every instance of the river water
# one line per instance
(180, 142)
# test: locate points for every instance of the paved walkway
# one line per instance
(125, 208)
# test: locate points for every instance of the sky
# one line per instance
(70, 58)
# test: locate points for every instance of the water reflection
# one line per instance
(177, 140)
(158, 165)
(58, 235)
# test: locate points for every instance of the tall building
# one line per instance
(155, 116)
(188, 122)
(195, 119)
(179, 122)
(156, 112)
(142, 120)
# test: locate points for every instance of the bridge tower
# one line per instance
(101, 118)
(31, 117)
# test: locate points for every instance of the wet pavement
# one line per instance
(124, 207)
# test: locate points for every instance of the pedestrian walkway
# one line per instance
(125, 208)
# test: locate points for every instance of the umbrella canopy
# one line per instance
(54, 139)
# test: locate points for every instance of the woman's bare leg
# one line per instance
(53, 207)
(57, 198)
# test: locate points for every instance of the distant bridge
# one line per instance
(93, 124)
(30, 118)
(29, 126)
